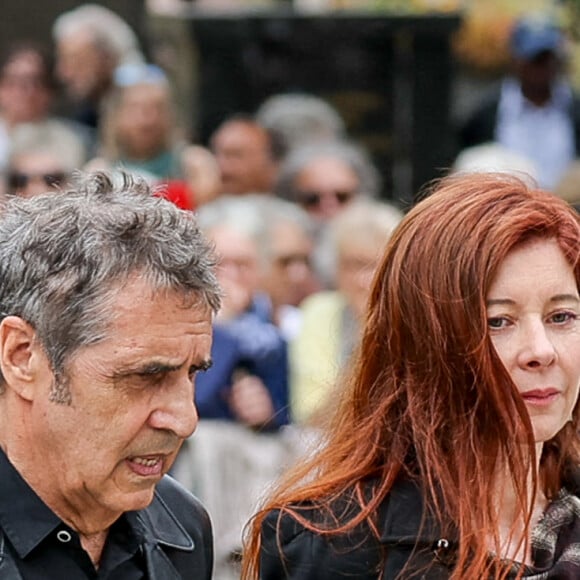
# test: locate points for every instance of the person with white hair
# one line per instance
(301, 118)
(325, 177)
(349, 253)
(91, 41)
(42, 158)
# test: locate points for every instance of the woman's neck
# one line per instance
(511, 520)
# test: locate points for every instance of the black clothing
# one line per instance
(169, 540)
(291, 551)
(311, 556)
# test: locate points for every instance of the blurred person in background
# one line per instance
(138, 130)
(139, 133)
(568, 188)
(535, 112)
(249, 382)
(247, 155)
(91, 42)
(324, 178)
(42, 158)
(300, 118)
(349, 253)
(201, 172)
(239, 446)
(494, 157)
(27, 91)
(288, 275)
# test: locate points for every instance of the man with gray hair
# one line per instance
(106, 302)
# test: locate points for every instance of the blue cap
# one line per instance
(532, 36)
(130, 74)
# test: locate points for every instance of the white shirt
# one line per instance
(545, 135)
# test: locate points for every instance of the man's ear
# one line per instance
(21, 356)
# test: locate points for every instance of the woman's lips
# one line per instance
(540, 397)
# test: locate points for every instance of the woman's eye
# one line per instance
(497, 322)
(563, 317)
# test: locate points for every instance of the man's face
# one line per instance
(290, 276)
(243, 154)
(131, 405)
(238, 271)
(82, 67)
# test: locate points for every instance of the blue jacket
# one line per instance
(253, 344)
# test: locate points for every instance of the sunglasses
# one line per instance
(313, 199)
(18, 180)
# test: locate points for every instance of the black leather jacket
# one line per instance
(178, 538)
(291, 551)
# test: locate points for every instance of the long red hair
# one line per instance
(427, 396)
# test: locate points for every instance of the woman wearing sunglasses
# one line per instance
(324, 177)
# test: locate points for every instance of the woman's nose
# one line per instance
(537, 349)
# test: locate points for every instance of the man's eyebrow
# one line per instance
(148, 368)
(157, 367)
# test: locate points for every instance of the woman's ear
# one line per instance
(21, 356)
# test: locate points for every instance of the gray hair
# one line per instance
(353, 156)
(63, 256)
(254, 215)
(110, 32)
(366, 220)
(240, 213)
(275, 211)
(50, 136)
(300, 118)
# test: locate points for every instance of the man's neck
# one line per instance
(539, 97)
(94, 545)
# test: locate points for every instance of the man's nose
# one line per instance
(175, 408)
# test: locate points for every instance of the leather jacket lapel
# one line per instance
(159, 567)
(161, 528)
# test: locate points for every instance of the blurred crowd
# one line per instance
(293, 206)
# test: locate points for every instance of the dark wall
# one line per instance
(389, 76)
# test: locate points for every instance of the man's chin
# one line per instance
(138, 500)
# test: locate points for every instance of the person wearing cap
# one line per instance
(140, 133)
(534, 113)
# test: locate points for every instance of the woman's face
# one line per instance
(358, 259)
(325, 187)
(144, 120)
(533, 314)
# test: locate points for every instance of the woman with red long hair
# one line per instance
(454, 451)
